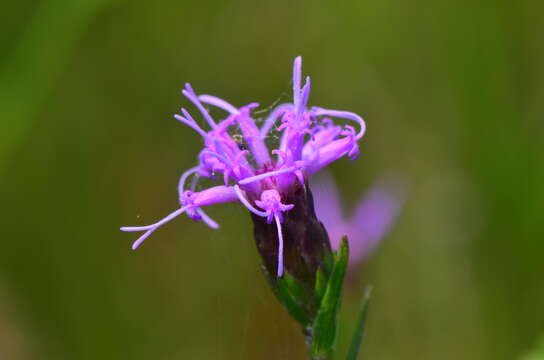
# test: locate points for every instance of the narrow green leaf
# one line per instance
(360, 329)
(324, 327)
(320, 286)
(294, 287)
(289, 292)
(328, 264)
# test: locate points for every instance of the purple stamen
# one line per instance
(273, 117)
(246, 203)
(252, 136)
(199, 213)
(208, 220)
(266, 175)
(305, 93)
(219, 156)
(218, 142)
(191, 124)
(151, 228)
(297, 69)
(217, 102)
(189, 93)
(184, 176)
(280, 246)
(342, 114)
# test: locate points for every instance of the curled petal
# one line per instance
(214, 195)
(207, 219)
(246, 203)
(327, 154)
(317, 111)
(184, 176)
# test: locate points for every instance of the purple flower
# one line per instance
(235, 152)
(370, 221)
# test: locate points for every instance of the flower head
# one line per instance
(264, 180)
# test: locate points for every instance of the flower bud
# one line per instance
(306, 251)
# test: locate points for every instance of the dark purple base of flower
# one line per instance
(306, 250)
(306, 243)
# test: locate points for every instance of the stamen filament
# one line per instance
(151, 228)
(246, 203)
(273, 117)
(207, 219)
(189, 93)
(192, 125)
(297, 67)
(280, 246)
(266, 175)
(305, 93)
(184, 176)
(220, 103)
(219, 156)
(343, 114)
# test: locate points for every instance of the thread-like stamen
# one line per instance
(343, 114)
(189, 93)
(219, 147)
(220, 103)
(273, 117)
(252, 135)
(183, 178)
(217, 155)
(241, 155)
(280, 246)
(266, 175)
(226, 175)
(151, 228)
(305, 94)
(207, 219)
(297, 69)
(188, 116)
(246, 203)
(181, 188)
(192, 125)
(136, 228)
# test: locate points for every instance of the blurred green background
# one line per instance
(452, 92)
